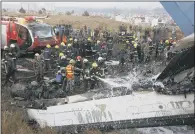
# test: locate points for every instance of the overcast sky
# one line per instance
(146, 5)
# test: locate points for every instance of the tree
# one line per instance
(22, 10)
(85, 13)
(72, 12)
(68, 13)
(40, 12)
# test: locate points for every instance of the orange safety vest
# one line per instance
(69, 72)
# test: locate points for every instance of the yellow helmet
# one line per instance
(70, 39)
(167, 41)
(127, 41)
(135, 45)
(69, 45)
(89, 39)
(132, 42)
(56, 46)
(61, 54)
(62, 43)
(94, 65)
(72, 61)
(48, 46)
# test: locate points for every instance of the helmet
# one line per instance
(98, 41)
(59, 72)
(71, 61)
(170, 38)
(36, 54)
(127, 41)
(135, 45)
(56, 46)
(63, 57)
(12, 45)
(62, 44)
(167, 42)
(5, 47)
(48, 46)
(133, 42)
(79, 58)
(89, 39)
(94, 65)
(85, 60)
(69, 45)
(75, 40)
(136, 39)
(174, 43)
(100, 59)
(61, 54)
(70, 39)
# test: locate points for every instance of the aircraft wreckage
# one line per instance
(137, 109)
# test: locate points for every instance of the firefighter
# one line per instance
(38, 67)
(94, 74)
(69, 52)
(76, 47)
(96, 49)
(47, 57)
(77, 71)
(70, 76)
(63, 61)
(109, 49)
(102, 66)
(86, 73)
(122, 54)
(55, 52)
(103, 52)
(5, 52)
(11, 69)
(5, 57)
(88, 48)
(62, 47)
(15, 52)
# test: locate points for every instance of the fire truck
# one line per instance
(30, 34)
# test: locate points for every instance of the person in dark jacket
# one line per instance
(38, 67)
(47, 57)
(11, 69)
(109, 49)
(76, 47)
(122, 54)
(77, 71)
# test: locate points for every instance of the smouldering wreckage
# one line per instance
(168, 100)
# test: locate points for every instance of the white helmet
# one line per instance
(12, 45)
(98, 42)
(100, 59)
(85, 61)
(63, 57)
(36, 54)
(5, 47)
(75, 40)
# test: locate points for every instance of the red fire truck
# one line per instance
(29, 34)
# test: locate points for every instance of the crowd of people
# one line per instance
(80, 58)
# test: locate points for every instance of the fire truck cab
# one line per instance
(29, 34)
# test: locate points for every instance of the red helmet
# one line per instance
(78, 57)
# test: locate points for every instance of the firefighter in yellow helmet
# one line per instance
(95, 74)
(63, 47)
(70, 76)
(60, 55)
(69, 52)
(47, 53)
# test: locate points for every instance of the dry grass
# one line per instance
(12, 123)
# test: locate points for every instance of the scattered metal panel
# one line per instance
(182, 13)
(123, 108)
